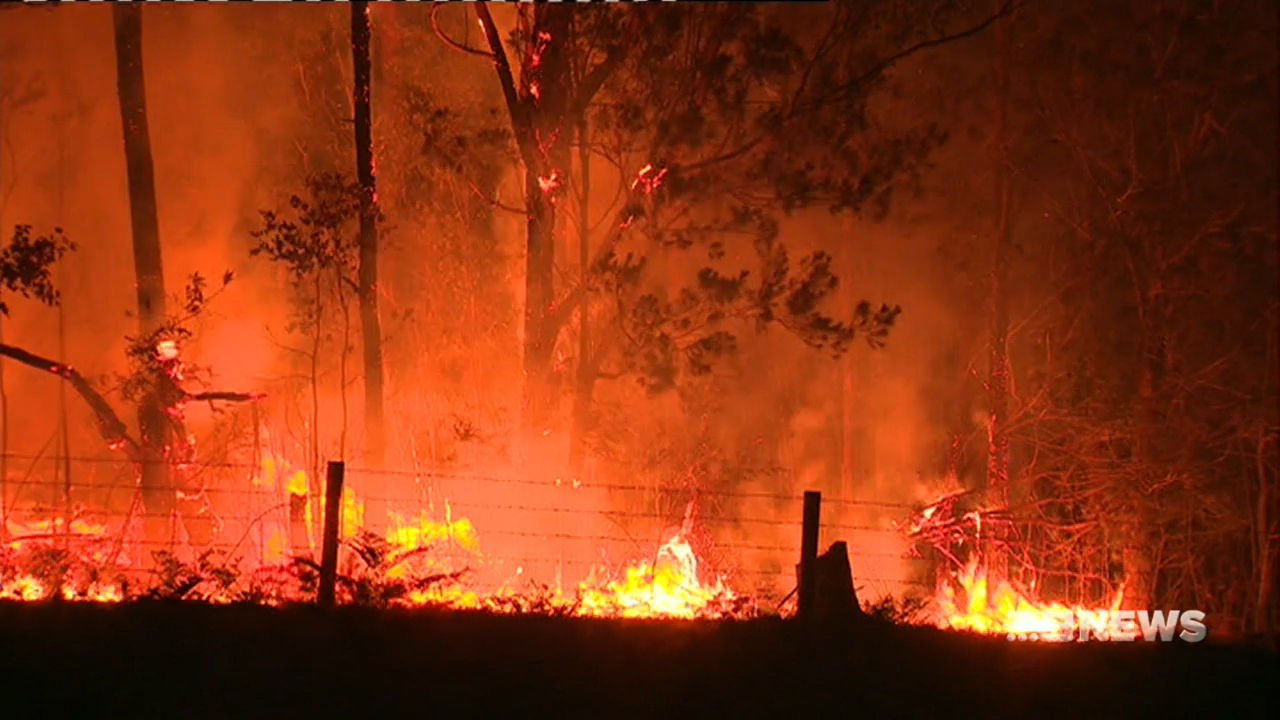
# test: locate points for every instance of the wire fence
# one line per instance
(549, 529)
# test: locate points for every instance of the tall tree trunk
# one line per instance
(541, 109)
(371, 328)
(1264, 545)
(157, 489)
(545, 81)
(4, 447)
(4, 395)
(585, 380)
(848, 384)
(858, 460)
(64, 427)
(998, 363)
(1137, 536)
(848, 389)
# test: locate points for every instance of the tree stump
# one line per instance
(836, 600)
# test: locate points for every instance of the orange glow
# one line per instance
(167, 350)
(668, 585)
(27, 584)
(995, 607)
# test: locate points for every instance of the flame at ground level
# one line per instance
(667, 587)
(988, 607)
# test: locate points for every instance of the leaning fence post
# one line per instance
(329, 547)
(809, 554)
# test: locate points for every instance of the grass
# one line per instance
(186, 659)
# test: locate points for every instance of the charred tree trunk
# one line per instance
(998, 363)
(1263, 534)
(371, 328)
(4, 446)
(539, 110)
(545, 81)
(857, 442)
(157, 488)
(848, 388)
(585, 380)
(1139, 569)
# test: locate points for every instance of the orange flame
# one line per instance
(666, 586)
(1002, 609)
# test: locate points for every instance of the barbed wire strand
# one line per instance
(354, 472)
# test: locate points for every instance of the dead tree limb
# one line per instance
(225, 396)
(112, 428)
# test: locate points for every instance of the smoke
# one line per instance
(226, 106)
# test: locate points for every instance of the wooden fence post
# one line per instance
(809, 554)
(329, 547)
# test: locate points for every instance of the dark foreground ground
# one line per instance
(184, 661)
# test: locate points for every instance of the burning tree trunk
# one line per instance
(545, 77)
(998, 369)
(585, 376)
(539, 112)
(374, 423)
(157, 490)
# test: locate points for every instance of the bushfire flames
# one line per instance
(975, 599)
(668, 586)
(988, 607)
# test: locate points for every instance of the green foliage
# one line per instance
(453, 142)
(316, 234)
(746, 107)
(26, 265)
(213, 576)
(686, 335)
(317, 243)
(724, 120)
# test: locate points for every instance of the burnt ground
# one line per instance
(188, 660)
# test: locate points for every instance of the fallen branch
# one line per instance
(112, 428)
(226, 396)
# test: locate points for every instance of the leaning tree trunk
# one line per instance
(540, 109)
(157, 490)
(545, 86)
(998, 364)
(371, 328)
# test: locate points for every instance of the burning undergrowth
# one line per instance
(975, 590)
(420, 562)
(437, 559)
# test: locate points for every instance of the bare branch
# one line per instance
(112, 428)
(797, 110)
(495, 202)
(594, 80)
(453, 44)
(226, 396)
(515, 108)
